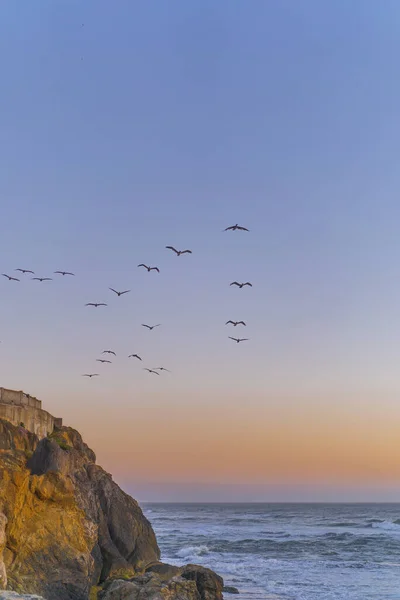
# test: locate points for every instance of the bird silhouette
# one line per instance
(179, 252)
(109, 352)
(134, 356)
(96, 304)
(90, 375)
(103, 360)
(240, 285)
(236, 228)
(161, 369)
(235, 323)
(238, 339)
(119, 293)
(25, 271)
(151, 371)
(42, 279)
(64, 273)
(149, 268)
(10, 278)
(151, 326)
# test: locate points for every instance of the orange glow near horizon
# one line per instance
(247, 444)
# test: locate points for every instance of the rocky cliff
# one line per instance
(68, 532)
(65, 525)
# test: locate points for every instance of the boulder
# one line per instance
(164, 570)
(208, 583)
(150, 587)
(230, 589)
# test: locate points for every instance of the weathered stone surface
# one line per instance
(69, 526)
(3, 573)
(150, 587)
(15, 596)
(230, 589)
(209, 584)
(164, 570)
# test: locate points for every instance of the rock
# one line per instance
(230, 589)
(150, 587)
(15, 596)
(164, 570)
(69, 526)
(3, 573)
(209, 584)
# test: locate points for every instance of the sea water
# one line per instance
(287, 551)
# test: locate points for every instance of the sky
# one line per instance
(130, 126)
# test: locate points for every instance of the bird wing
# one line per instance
(232, 338)
(60, 272)
(241, 323)
(243, 339)
(47, 279)
(4, 275)
(243, 228)
(112, 289)
(142, 265)
(36, 279)
(101, 304)
(248, 283)
(228, 228)
(172, 248)
(235, 283)
(155, 269)
(125, 292)
(155, 372)
(148, 326)
(227, 323)
(186, 252)
(158, 325)
(112, 352)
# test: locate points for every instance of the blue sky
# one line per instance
(131, 126)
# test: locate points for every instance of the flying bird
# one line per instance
(235, 323)
(96, 304)
(161, 369)
(25, 271)
(42, 279)
(179, 252)
(236, 228)
(10, 278)
(109, 352)
(149, 268)
(134, 356)
(151, 371)
(119, 293)
(151, 326)
(64, 273)
(90, 375)
(103, 360)
(238, 339)
(240, 285)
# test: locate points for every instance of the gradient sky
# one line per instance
(128, 126)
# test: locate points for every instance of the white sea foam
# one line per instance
(329, 552)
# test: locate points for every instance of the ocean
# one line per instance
(287, 551)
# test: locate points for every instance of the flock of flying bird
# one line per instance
(154, 370)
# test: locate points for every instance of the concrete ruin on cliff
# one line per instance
(18, 407)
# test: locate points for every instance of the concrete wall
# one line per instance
(18, 407)
(18, 398)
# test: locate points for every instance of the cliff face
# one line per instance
(65, 526)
